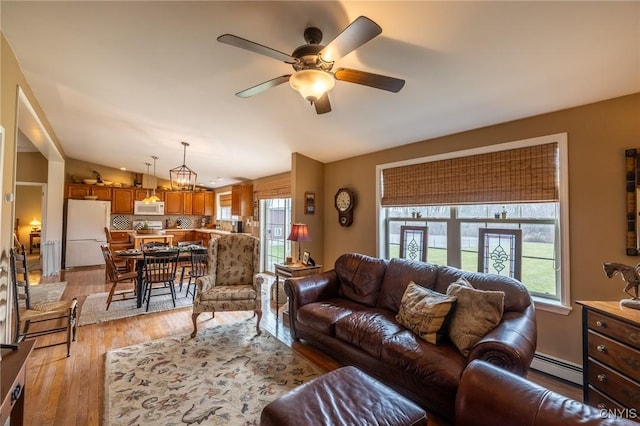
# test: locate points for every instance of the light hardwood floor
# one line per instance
(69, 391)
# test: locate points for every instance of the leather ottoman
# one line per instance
(342, 397)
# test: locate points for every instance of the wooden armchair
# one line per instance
(232, 282)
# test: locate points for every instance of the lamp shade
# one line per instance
(299, 232)
(312, 84)
(35, 224)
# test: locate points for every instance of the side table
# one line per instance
(14, 373)
(290, 271)
(32, 236)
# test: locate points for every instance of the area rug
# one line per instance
(223, 376)
(49, 292)
(93, 309)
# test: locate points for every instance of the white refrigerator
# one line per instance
(85, 222)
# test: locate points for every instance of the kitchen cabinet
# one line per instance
(187, 202)
(203, 203)
(173, 202)
(242, 200)
(181, 236)
(79, 191)
(122, 200)
(141, 194)
(204, 236)
(209, 204)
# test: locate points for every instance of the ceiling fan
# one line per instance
(313, 63)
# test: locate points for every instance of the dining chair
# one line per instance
(121, 265)
(51, 317)
(116, 276)
(186, 263)
(232, 281)
(160, 272)
(198, 268)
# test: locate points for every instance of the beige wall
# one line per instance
(597, 137)
(31, 167)
(307, 176)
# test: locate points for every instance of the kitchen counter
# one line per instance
(205, 230)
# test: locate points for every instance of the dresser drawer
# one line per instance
(612, 327)
(614, 354)
(616, 386)
(601, 401)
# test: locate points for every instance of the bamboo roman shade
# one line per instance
(276, 187)
(519, 175)
(225, 200)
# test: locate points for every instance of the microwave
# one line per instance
(148, 209)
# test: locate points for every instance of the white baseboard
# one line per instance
(557, 367)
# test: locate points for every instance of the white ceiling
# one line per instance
(122, 81)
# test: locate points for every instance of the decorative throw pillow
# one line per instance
(477, 313)
(425, 312)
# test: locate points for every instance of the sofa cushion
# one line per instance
(322, 316)
(368, 329)
(516, 295)
(425, 312)
(399, 273)
(477, 313)
(360, 277)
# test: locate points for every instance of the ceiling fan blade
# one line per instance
(242, 43)
(263, 86)
(360, 31)
(369, 79)
(323, 105)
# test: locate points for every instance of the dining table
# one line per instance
(136, 258)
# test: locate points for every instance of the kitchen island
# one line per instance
(139, 239)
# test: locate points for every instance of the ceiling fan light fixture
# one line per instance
(182, 177)
(312, 84)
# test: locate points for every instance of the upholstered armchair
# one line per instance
(232, 282)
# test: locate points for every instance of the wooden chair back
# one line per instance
(160, 266)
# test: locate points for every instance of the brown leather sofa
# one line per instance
(349, 313)
(489, 396)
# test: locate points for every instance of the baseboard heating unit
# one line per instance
(556, 367)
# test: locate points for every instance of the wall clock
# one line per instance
(344, 202)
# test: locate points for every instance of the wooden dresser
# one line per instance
(611, 356)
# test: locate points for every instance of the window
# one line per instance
(518, 197)
(224, 206)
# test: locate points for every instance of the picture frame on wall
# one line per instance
(305, 257)
(309, 203)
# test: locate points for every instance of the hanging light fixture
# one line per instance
(182, 177)
(147, 199)
(312, 84)
(153, 198)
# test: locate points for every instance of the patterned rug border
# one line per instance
(222, 338)
(93, 309)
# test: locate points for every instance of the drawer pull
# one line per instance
(602, 406)
(601, 348)
(600, 323)
(601, 378)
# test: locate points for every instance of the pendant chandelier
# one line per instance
(147, 199)
(153, 198)
(182, 177)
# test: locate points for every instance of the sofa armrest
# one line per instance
(511, 345)
(205, 283)
(308, 289)
(490, 396)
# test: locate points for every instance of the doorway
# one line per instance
(29, 220)
(275, 223)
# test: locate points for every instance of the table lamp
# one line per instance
(299, 233)
(35, 225)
